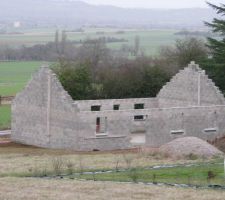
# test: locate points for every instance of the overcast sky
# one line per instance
(154, 3)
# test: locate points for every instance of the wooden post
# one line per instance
(199, 89)
(224, 168)
(49, 108)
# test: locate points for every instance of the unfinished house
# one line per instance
(44, 115)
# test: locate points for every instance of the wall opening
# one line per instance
(140, 117)
(139, 106)
(177, 132)
(116, 107)
(210, 130)
(101, 125)
(96, 108)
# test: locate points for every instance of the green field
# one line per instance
(15, 75)
(150, 40)
(5, 117)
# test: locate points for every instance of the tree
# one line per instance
(215, 67)
(76, 79)
(185, 51)
(218, 26)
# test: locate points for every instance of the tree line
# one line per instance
(97, 73)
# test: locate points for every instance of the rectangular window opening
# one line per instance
(139, 106)
(95, 108)
(210, 130)
(140, 117)
(116, 107)
(177, 132)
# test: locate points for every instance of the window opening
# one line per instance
(116, 107)
(95, 108)
(139, 118)
(177, 132)
(139, 106)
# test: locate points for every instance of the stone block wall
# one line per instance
(190, 87)
(29, 112)
(124, 104)
(44, 115)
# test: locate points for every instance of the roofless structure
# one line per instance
(44, 115)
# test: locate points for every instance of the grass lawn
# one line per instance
(14, 76)
(5, 117)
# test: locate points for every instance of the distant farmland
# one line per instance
(150, 40)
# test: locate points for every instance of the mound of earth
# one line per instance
(190, 147)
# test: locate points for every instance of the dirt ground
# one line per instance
(40, 189)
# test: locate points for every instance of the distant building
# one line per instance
(17, 24)
(44, 115)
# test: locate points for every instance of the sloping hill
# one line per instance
(57, 12)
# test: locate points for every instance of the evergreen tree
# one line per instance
(218, 26)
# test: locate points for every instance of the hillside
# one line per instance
(77, 13)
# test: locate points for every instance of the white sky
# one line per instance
(154, 3)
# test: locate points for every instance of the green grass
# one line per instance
(196, 175)
(14, 76)
(5, 117)
(150, 40)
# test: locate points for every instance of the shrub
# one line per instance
(133, 175)
(57, 165)
(70, 167)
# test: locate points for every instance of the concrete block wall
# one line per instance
(124, 103)
(157, 126)
(193, 121)
(191, 86)
(29, 112)
(44, 115)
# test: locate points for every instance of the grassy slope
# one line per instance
(5, 117)
(14, 76)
